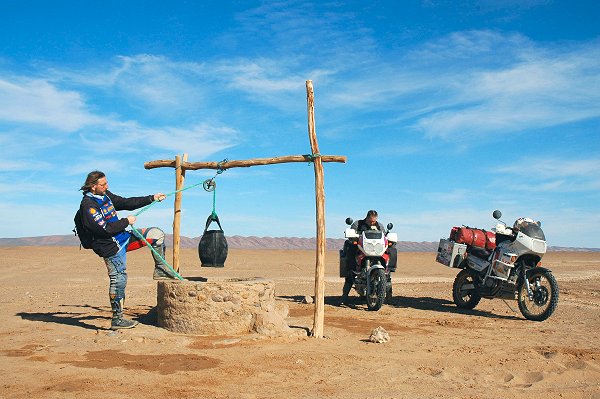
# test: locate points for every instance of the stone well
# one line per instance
(221, 307)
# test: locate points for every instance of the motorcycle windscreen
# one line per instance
(532, 230)
(373, 234)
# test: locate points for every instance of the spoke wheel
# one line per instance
(464, 293)
(377, 291)
(544, 299)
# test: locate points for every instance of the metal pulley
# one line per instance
(209, 185)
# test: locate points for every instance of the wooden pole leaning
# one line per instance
(319, 314)
(179, 180)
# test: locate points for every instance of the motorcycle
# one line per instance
(375, 259)
(505, 264)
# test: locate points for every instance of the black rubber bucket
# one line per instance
(212, 248)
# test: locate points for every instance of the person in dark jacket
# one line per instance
(111, 241)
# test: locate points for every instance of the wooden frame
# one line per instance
(181, 165)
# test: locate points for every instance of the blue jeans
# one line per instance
(116, 265)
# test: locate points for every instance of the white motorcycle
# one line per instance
(502, 264)
(375, 259)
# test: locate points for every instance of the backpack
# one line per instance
(85, 236)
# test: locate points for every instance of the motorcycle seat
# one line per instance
(480, 252)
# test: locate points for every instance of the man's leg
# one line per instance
(156, 238)
(117, 275)
(393, 252)
(348, 282)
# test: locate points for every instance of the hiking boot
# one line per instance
(122, 323)
(160, 274)
(161, 271)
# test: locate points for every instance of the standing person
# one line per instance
(110, 240)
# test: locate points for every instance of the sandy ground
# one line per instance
(54, 341)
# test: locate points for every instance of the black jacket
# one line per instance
(107, 228)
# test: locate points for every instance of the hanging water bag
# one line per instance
(212, 248)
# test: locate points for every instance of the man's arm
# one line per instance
(131, 203)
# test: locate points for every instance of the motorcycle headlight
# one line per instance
(373, 249)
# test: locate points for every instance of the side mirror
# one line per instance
(390, 226)
(497, 214)
(349, 221)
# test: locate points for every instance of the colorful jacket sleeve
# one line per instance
(131, 203)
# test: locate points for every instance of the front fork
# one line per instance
(527, 285)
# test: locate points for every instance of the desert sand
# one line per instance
(55, 341)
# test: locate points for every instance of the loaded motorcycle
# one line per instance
(505, 263)
(375, 255)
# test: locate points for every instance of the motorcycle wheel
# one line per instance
(388, 291)
(465, 298)
(376, 296)
(545, 296)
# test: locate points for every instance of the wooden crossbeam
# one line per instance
(171, 163)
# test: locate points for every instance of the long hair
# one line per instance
(91, 180)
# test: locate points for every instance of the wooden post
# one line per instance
(319, 316)
(179, 179)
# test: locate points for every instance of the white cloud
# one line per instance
(35, 101)
(152, 83)
(552, 168)
(537, 88)
(553, 175)
(473, 83)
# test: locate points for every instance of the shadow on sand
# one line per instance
(79, 319)
(419, 303)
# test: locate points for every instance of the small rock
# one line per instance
(217, 298)
(379, 335)
(308, 299)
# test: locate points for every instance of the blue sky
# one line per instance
(446, 111)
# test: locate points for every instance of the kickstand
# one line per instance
(509, 306)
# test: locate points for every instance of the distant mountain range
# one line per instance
(251, 242)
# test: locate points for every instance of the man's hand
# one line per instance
(131, 219)
(159, 197)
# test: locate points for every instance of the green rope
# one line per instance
(144, 209)
(137, 233)
(214, 212)
(311, 157)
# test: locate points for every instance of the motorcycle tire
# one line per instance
(388, 293)
(545, 295)
(376, 295)
(465, 299)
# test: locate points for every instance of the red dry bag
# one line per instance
(475, 237)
